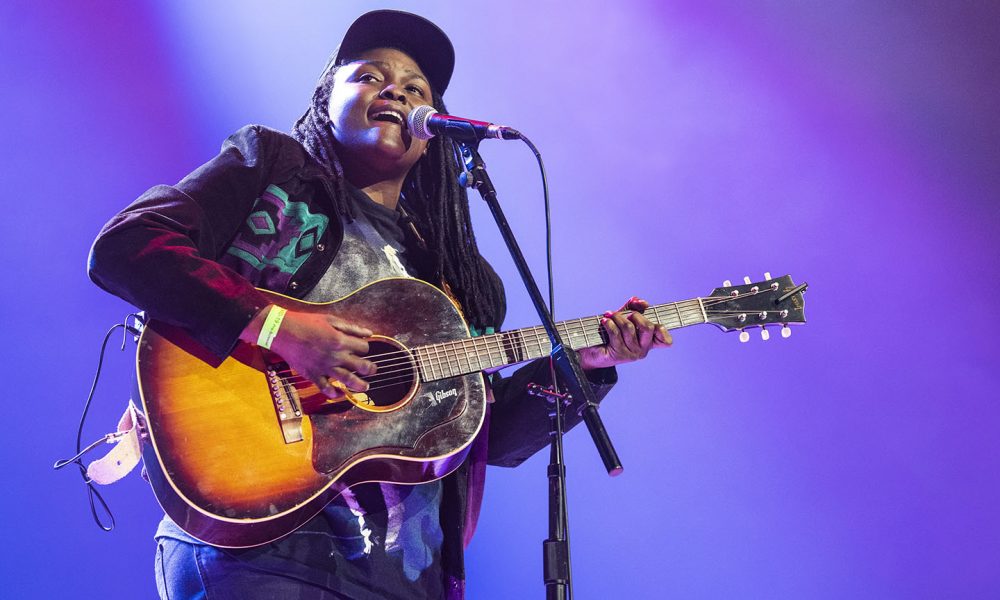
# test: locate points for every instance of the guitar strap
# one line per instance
(411, 223)
(124, 457)
(444, 287)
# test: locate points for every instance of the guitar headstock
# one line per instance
(770, 302)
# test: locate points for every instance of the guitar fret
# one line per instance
(456, 352)
(490, 361)
(441, 357)
(454, 349)
(445, 362)
(468, 357)
(577, 336)
(421, 367)
(459, 348)
(528, 336)
(435, 362)
(517, 346)
(539, 338)
(478, 352)
(501, 355)
(424, 362)
(585, 332)
(448, 355)
(453, 357)
(581, 334)
(572, 337)
(427, 363)
(510, 350)
(566, 333)
(680, 319)
(657, 317)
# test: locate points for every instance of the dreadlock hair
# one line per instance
(436, 202)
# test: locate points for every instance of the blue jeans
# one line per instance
(298, 567)
(341, 554)
(187, 571)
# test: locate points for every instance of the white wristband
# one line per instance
(271, 325)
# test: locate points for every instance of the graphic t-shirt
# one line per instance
(386, 535)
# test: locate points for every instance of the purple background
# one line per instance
(853, 145)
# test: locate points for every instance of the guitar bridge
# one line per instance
(287, 406)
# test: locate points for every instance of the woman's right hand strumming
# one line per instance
(323, 348)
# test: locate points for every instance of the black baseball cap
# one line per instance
(422, 40)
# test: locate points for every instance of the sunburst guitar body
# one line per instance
(243, 452)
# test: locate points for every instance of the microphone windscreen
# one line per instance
(418, 121)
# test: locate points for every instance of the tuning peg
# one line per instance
(764, 334)
(744, 337)
(727, 283)
(767, 276)
(786, 331)
(746, 279)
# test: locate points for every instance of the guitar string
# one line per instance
(580, 327)
(382, 381)
(406, 367)
(451, 350)
(404, 363)
(506, 345)
(404, 358)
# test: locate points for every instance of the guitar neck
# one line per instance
(461, 357)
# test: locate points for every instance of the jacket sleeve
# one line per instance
(159, 253)
(519, 422)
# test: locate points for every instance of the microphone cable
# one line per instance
(548, 223)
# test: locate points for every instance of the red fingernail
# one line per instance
(608, 314)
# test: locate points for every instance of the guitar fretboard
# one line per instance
(461, 357)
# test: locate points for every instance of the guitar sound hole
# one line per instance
(396, 377)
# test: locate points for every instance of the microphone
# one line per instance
(425, 122)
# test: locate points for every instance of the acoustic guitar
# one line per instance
(243, 451)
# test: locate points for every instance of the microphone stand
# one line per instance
(556, 566)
